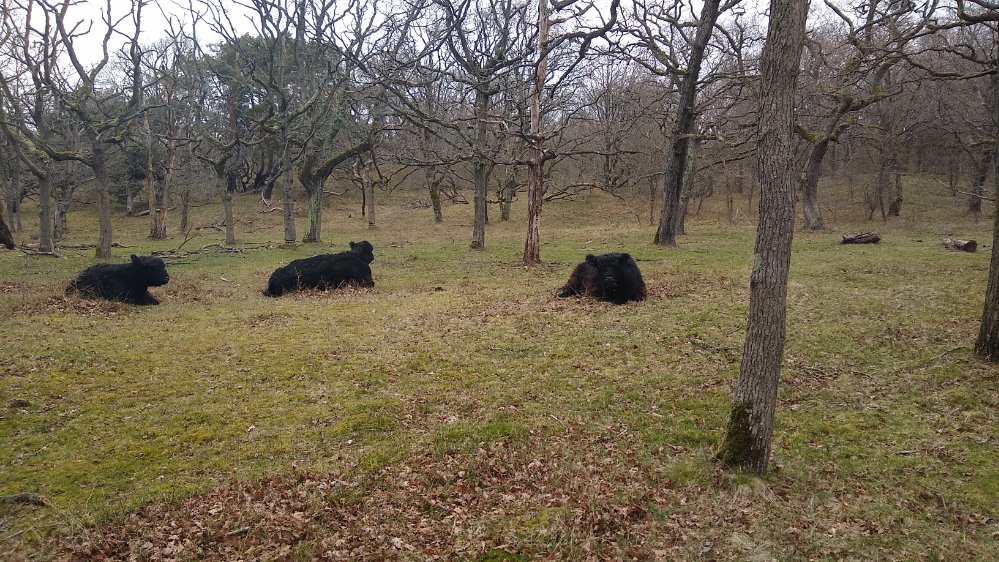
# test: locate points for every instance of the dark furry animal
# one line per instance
(325, 271)
(610, 277)
(126, 282)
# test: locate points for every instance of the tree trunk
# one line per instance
(434, 186)
(810, 186)
(978, 184)
(368, 183)
(987, 346)
(185, 208)
(536, 162)
(6, 239)
(99, 165)
(288, 191)
(129, 200)
(45, 213)
(688, 183)
(481, 169)
(895, 207)
(750, 428)
(507, 194)
(314, 213)
(14, 210)
(159, 197)
(676, 160)
(64, 198)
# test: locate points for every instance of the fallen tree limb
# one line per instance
(861, 238)
(956, 245)
(29, 498)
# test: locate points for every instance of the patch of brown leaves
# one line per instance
(552, 497)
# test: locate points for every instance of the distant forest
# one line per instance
(478, 100)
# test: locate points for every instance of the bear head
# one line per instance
(150, 271)
(363, 250)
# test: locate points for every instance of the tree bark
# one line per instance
(288, 191)
(960, 245)
(750, 428)
(676, 160)
(688, 182)
(433, 184)
(810, 186)
(536, 162)
(987, 346)
(6, 239)
(368, 183)
(98, 163)
(313, 175)
(45, 213)
(978, 184)
(481, 169)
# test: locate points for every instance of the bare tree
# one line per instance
(661, 32)
(750, 427)
(879, 34)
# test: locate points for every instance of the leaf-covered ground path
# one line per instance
(555, 495)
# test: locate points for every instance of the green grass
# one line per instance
(885, 442)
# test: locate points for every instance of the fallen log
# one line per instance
(861, 238)
(146, 212)
(29, 498)
(956, 245)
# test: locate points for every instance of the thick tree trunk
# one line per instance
(368, 184)
(45, 213)
(159, 197)
(185, 208)
(288, 191)
(895, 207)
(987, 346)
(433, 184)
(14, 210)
(688, 185)
(99, 165)
(6, 238)
(676, 160)
(536, 163)
(507, 194)
(63, 201)
(314, 213)
(750, 427)
(978, 183)
(481, 168)
(810, 186)
(129, 200)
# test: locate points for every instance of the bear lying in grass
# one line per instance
(126, 282)
(325, 271)
(610, 277)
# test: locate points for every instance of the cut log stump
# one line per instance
(862, 238)
(960, 245)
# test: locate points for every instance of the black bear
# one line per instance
(325, 271)
(611, 277)
(126, 282)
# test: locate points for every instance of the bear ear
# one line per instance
(625, 257)
(352, 243)
(135, 258)
(591, 259)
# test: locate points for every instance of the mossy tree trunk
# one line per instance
(750, 427)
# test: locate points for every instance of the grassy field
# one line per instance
(458, 411)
